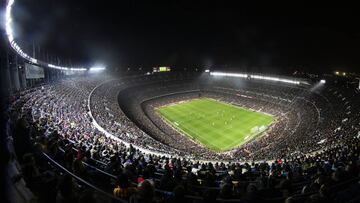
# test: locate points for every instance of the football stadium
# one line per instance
(177, 102)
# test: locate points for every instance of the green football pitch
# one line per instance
(217, 125)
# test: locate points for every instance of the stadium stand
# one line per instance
(310, 154)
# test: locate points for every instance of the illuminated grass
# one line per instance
(217, 125)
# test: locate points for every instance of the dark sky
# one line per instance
(247, 36)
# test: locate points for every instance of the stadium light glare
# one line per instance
(78, 69)
(260, 77)
(98, 68)
(65, 68)
(33, 60)
(344, 74)
(337, 73)
(276, 79)
(238, 75)
(10, 34)
(207, 71)
(322, 81)
(18, 49)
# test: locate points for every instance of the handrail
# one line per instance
(93, 167)
(157, 173)
(104, 172)
(82, 180)
(97, 161)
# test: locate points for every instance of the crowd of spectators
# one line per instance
(299, 114)
(57, 121)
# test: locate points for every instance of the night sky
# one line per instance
(245, 37)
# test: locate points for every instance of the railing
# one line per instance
(84, 182)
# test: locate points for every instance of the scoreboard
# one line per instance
(161, 69)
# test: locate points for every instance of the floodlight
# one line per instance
(274, 79)
(238, 75)
(322, 81)
(17, 48)
(259, 77)
(207, 71)
(97, 68)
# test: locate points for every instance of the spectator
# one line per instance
(123, 189)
